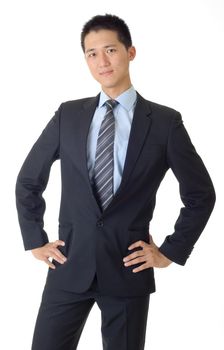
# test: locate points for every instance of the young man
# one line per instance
(114, 150)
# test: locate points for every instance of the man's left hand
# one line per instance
(149, 255)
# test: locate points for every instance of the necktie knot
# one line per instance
(111, 104)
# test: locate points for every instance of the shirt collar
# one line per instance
(127, 99)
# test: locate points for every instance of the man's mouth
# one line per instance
(106, 73)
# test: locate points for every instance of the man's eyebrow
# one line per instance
(112, 45)
(104, 47)
(89, 50)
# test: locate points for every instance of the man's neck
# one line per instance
(115, 92)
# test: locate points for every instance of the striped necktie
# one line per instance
(104, 160)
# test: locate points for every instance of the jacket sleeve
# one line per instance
(32, 181)
(196, 191)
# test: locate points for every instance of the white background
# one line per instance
(179, 63)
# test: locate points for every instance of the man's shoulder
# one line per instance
(162, 108)
(158, 108)
(78, 103)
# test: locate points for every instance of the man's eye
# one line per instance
(111, 50)
(91, 54)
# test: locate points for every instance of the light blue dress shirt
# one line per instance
(123, 114)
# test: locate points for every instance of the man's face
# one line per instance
(108, 60)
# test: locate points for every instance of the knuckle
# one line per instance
(55, 250)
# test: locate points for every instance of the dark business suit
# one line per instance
(96, 242)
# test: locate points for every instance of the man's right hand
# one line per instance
(50, 250)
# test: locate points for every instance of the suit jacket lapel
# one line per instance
(139, 130)
(85, 121)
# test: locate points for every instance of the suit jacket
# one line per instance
(96, 242)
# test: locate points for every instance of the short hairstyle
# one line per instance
(109, 22)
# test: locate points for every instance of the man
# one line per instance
(114, 151)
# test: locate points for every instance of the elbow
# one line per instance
(212, 198)
(203, 201)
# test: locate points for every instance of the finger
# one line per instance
(58, 242)
(49, 263)
(56, 255)
(59, 255)
(137, 244)
(133, 255)
(141, 267)
(135, 261)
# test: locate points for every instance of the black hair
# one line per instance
(109, 22)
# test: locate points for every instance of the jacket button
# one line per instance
(99, 223)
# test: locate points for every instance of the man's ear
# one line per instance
(131, 53)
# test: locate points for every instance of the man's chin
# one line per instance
(108, 85)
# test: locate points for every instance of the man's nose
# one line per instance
(103, 59)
